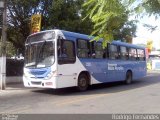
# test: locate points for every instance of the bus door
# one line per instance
(66, 63)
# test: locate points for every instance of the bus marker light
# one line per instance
(48, 83)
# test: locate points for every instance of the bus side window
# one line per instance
(66, 51)
(132, 54)
(97, 50)
(123, 53)
(83, 49)
(113, 52)
(141, 54)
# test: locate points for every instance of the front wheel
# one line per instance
(128, 79)
(82, 82)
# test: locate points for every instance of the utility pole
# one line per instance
(3, 46)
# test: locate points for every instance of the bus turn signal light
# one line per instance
(48, 83)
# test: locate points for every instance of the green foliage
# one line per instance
(150, 27)
(107, 16)
(10, 50)
(68, 15)
(106, 19)
(128, 29)
(151, 7)
(19, 13)
(110, 17)
(62, 14)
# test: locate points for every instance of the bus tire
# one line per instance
(82, 82)
(128, 79)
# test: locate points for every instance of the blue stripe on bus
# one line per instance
(40, 72)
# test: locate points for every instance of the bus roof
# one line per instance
(127, 44)
(88, 37)
(77, 35)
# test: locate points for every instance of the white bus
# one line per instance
(58, 59)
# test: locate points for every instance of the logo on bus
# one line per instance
(114, 67)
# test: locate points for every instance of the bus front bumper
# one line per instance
(40, 83)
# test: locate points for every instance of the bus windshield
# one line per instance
(39, 54)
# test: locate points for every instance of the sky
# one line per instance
(143, 34)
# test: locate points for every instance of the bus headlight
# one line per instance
(50, 74)
(27, 74)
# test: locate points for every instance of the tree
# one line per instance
(62, 14)
(68, 15)
(147, 8)
(111, 16)
(127, 32)
(151, 7)
(19, 13)
(108, 16)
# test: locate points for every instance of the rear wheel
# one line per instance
(82, 82)
(128, 79)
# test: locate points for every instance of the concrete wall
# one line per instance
(14, 79)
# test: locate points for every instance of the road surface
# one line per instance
(142, 96)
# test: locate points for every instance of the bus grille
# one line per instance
(37, 72)
(36, 83)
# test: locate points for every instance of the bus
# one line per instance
(58, 59)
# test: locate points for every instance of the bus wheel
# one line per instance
(82, 82)
(128, 79)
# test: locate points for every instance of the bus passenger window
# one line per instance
(83, 49)
(66, 52)
(141, 55)
(123, 53)
(113, 52)
(132, 54)
(98, 50)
